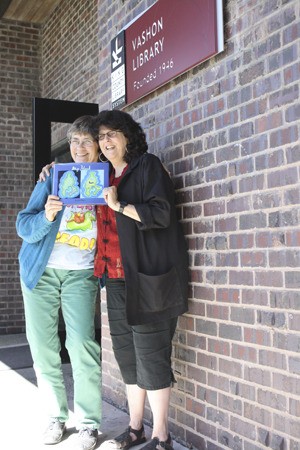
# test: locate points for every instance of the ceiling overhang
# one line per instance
(32, 11)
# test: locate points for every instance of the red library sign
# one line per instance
(170, 38)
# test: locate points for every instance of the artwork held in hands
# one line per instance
(80, 184)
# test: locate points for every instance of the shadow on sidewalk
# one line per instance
(16, 357)
(22, 412)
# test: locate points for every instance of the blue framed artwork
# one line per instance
(80, 184)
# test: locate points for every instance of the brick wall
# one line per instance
(70, 56)
(20, 81)
(70, 52)
(228, 130)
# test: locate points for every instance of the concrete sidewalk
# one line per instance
(21, 418)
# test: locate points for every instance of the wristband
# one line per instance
(122, 206)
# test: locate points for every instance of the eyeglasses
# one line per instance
(87, 143)
(109, 134)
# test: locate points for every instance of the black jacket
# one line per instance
(154, 251)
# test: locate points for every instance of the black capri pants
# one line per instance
(143, 352)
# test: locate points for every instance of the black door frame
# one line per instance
(45, 111)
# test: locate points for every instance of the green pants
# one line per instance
(75, 292)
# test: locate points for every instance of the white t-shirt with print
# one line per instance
(75, 243)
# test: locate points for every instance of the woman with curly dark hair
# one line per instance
(142, 256)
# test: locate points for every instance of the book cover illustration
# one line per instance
(80, 184)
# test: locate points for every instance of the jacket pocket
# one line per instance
(159, 292)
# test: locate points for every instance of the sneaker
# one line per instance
(54, 432)
(87, 438)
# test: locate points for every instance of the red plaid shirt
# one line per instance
(108, 257)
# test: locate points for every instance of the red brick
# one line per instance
(241, 277)
(284, 136)
(218, 347)
(258, 337)
(228, 295)
(254, 297)
(243, 428)
(261, 415)
(273, 359)
(214, 208)
(204, 293)
(241, 241)
(238, 204)
(226, 224)
(269, 278)
(251, 73)
(194, 340)
(293, 238)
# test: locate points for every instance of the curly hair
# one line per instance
(122, 121)
(83, 125)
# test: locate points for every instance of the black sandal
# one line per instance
(153, 444)
(124, 441)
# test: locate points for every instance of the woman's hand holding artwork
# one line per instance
(52, 206)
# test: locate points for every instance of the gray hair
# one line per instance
(84, 124)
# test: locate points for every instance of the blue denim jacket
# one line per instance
(38, 234)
